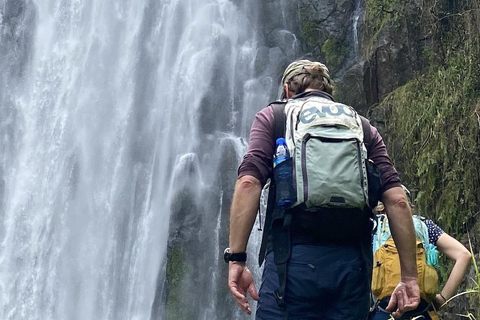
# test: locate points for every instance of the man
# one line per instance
(326, 277)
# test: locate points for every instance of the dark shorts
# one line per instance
(323, 282)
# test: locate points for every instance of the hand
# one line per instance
(405, 297)
(240, 280)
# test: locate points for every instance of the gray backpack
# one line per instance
(326, 141)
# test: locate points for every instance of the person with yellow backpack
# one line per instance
(386, 266)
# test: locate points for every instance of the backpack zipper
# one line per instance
(304, 167)
(360, 167)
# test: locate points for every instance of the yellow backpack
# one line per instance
(386, 263)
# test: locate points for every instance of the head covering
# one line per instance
(305, 67)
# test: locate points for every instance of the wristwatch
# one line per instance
(237, 256)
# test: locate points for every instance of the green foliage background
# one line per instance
(436, 116)
(433, 121)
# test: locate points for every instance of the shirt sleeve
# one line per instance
(377, 152)
(434, 231)
(257, 161)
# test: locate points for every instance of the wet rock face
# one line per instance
(323, 31)
(214, 110)
(198, 233)
(390, 66)
(276, 14)
(323, 21)
(350, 90)
(332, 17)
(395, 54)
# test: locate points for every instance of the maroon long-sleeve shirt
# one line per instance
(257, 161)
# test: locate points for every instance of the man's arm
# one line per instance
(403, 232)
(245, 204)
(407, 294)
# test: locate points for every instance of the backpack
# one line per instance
(386, 263)
(326, 140)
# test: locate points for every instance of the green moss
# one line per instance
(437, 126)
(435, 121)
(378, 14)
(310, 31)
(177, 270)
(335, 52)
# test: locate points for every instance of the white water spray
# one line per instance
(107, 98)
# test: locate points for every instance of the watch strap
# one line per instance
(238, 257)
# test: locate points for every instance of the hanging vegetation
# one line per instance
(433, 120)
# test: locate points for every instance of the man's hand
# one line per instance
(240, 280)
(405, 297)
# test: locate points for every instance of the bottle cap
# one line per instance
(281, 141)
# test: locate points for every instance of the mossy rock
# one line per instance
(178, 272)
(335, 52)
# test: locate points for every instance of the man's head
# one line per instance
(301, 75)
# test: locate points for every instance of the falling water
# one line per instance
(358, 11)
(111, 114)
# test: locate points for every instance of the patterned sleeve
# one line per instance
(434, 231)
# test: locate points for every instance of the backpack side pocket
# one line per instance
(286, 194)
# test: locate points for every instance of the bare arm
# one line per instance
(406, 295)
(253, 173)
(403, 232)
(245, 204)
(454, 250)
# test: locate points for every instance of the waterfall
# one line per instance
(357, 13)
(122, 124)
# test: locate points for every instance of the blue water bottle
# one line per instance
(283, 172)
(281, 152)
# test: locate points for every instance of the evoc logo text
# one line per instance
(336, 110)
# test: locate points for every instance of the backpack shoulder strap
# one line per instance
(382, 233)
(421, 230)
(278, 119)
(366, 131)
(278, 131)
